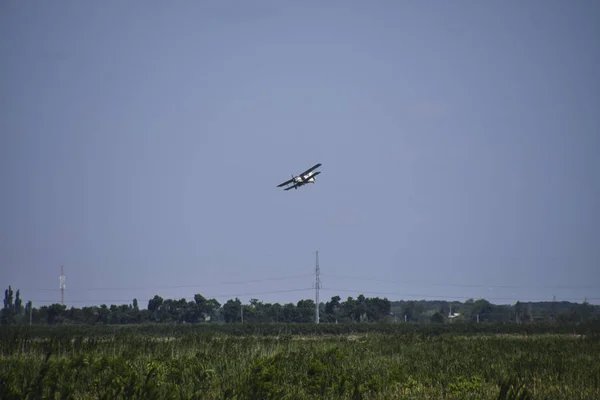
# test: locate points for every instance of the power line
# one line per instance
(188, 298)
(437, 296)
(317, 286)
(466, 284)
(185, 286)
(232, 295)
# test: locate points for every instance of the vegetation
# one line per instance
(352, 310)
(298, 361)
(364, 348)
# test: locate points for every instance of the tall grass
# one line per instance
(271, 361)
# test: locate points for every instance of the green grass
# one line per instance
(296, 362)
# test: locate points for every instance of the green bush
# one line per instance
(295, 362)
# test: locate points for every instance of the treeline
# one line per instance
(352, 310)
(483, 311)
(200, 310)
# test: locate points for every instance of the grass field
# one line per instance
(299, 362)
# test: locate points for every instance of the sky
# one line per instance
(141, 144)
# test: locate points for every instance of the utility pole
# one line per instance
(30, 311)
(62, 285)
(317, 287)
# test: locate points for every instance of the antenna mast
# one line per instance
(62, 285)
(317, 287)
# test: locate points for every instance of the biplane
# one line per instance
(307, 176)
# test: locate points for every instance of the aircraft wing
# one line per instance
(291, 187)
(310, 169)
(286, 183)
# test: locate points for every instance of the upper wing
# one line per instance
(310, 169)
(286, 182)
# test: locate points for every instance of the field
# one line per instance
(302, 361)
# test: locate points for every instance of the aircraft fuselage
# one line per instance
(305, 178)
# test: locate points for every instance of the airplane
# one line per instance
(307, 176)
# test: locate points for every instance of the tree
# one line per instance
(410, 311)
(378, 309)
(331, 309)
(349, 309)
(211, 307)
(8, 312)
(518, 312)
(276, 312)
(585, 310)
(332, 305)
(28, 308)
(8, 298)
(361, 308)
(55, 313)
(289, 312)
(18, 303)
(481, 309)
(437, 318)
(305, 311)
(154, 305)
(232, 310)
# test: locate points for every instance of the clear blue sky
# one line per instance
(141, 144)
